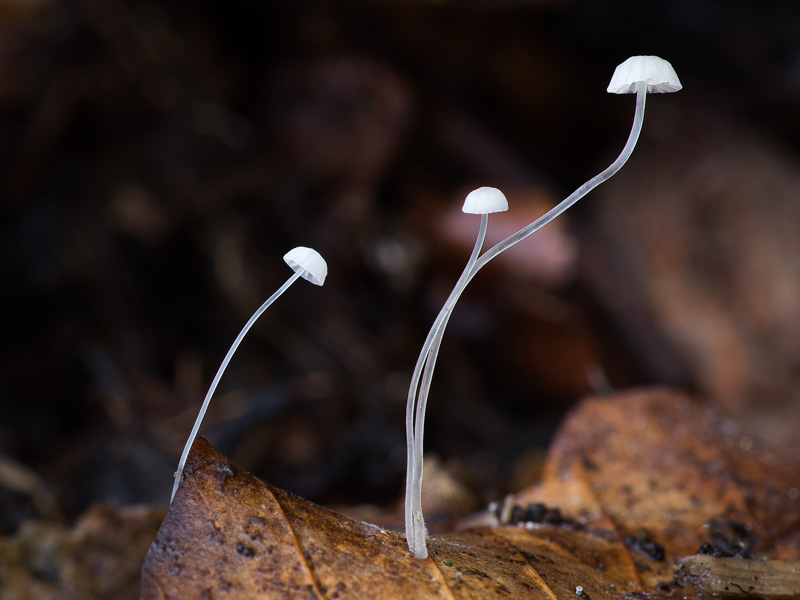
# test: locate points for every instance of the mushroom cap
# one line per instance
(308, 262)
(485, 200)
(656, 72)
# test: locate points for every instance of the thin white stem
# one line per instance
(416, 532)
(418, 393)
(638, 119)
(218, 376)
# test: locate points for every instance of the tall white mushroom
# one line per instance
(482, 201)
(306, 263)
(640, 75)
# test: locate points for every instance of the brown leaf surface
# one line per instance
(630, 474)
(666, 465)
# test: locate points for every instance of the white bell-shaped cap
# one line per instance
(308, 262)
(656, 72)
(485, 200)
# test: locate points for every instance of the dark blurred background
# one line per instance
(158, 159)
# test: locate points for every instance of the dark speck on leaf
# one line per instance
(646, 546)
(518, 514)
(554, 517)
(244, 550)
(538, 511)
(729, 539)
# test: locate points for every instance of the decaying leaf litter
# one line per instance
(639, 75)
(127, 212)
(639, 480)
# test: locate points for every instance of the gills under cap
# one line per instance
(485, 200)
(308, 263)
(656, 72)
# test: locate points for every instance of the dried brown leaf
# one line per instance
(631, 475)
(660, 466)
(229, 532)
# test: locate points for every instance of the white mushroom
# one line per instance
(306, 263)
(482, 201)
(656, 73)
(639, 75)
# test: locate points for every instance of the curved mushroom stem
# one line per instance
(179, 473)
(419, 389)
(638, 120)
(418, 394)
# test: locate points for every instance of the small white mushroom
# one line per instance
(656, 73)
(308, 264)
(305, 263)
(640, 75)
(482, 201)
